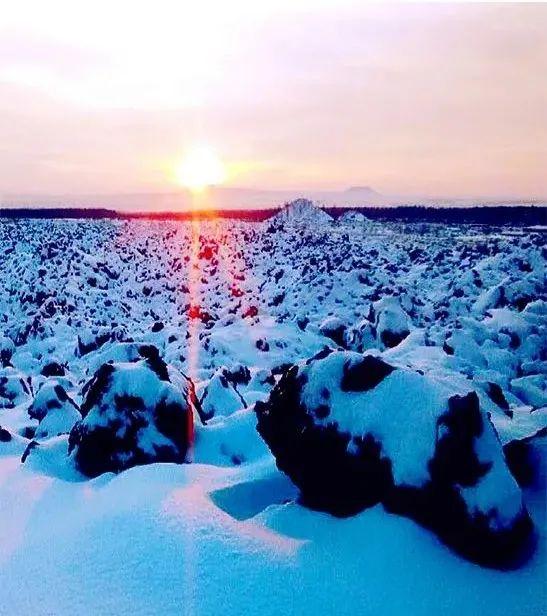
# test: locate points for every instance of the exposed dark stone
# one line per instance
(95, 387)
(6, 353)
(53, 369)
(455, 459)
(335, 331)
(172, 422)
(262, 345)
(322, 411)
(28, 432)
(520, 462)
(324, 352)
(316, 459)
(5, 436)
(49, 398)
(61, 393)
(241, 375)
(392, 339)
(364, 374)
(32, 445)
(441, 509)
(113, 438)
(495, 393)
(85, 348)
(154, 361)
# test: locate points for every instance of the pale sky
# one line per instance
(418, 99)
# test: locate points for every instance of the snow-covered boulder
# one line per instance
(351, 430)
(335, 329)
(5, 435)
(391, 322)
(386, 326)
(50, 396)
(361, 337)
(60, 421)
(7, 348)
(132, 414)
(11, 444)
(238, 375)
(14, 388)
(531, 389)
(89, 341)
(52, 368)
(518, 434)
(220, 397)
(54, 409)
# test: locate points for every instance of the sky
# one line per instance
(412, 99)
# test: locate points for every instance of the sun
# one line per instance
(200, 168)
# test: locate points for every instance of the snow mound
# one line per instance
(132, 414)
(352, 430)
(302, 212)
(352, 217)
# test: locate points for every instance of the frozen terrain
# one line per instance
(118, 335)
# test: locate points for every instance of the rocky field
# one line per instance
(294, 416)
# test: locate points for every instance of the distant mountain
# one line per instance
(363, 191)
(229, 198)
(221, 198)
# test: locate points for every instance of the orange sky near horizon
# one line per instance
(413, 99)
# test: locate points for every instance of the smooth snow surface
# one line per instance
(155, 540)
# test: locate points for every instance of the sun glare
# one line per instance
(200, 168)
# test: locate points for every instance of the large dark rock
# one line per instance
(352, 431)
(133, 414)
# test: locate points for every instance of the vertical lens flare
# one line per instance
(201, 205)
(199, 201)
(194, 281)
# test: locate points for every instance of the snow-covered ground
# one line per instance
(229, 306)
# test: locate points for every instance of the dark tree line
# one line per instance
(520, 215)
